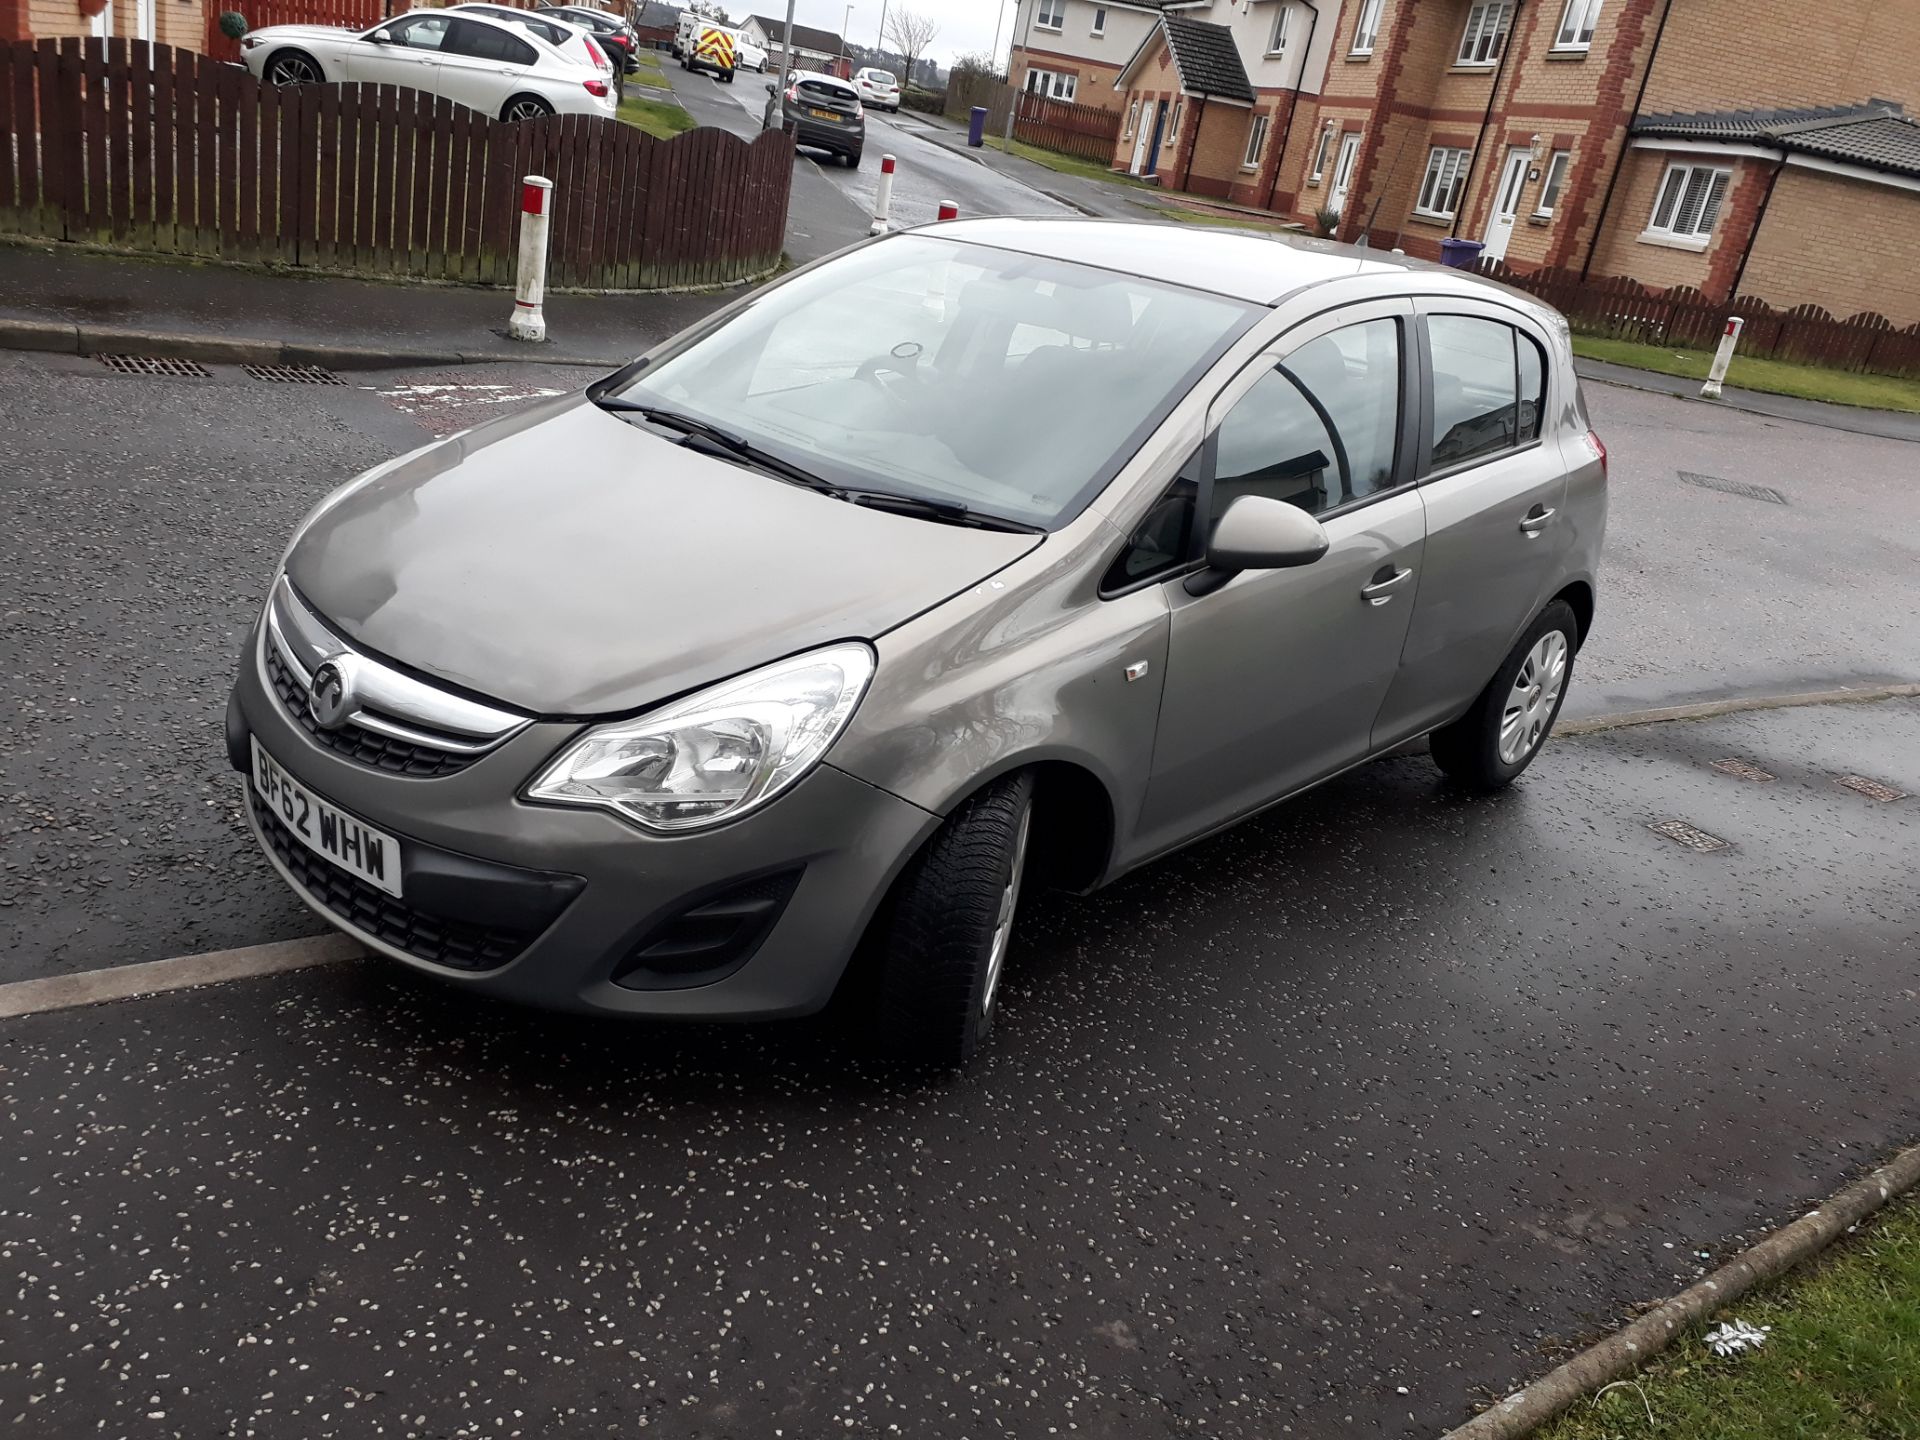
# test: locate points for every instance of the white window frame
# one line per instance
(1675, 198)
(1050, 15)
(1277, 36)
(1327, 132)
(1257, 130)
(1485, 35)
(1133, 118)
(1052, 84)
(1577, 24)
(1439, 195)
(1099, 26)
(1366, 29)
(1171, 136)
(1552, 180)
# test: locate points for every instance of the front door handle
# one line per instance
(1536, 520)
(1385, 582)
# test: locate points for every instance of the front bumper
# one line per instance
(574, 909)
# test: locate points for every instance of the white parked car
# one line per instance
(488, 65)
(878, 88)
(573, 42)
(749, 56)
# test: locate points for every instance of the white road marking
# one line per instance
(183, 972)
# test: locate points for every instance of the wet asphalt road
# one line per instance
(1263, 1126)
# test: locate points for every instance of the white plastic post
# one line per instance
(1723, 357)
(949, 210)
(883, 197)
(529, 320)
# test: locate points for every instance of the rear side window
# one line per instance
(1489, 386)
(489, 42)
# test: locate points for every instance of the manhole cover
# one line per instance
(155, 365)
(295, 374)
(1691, 836)
(1732, 487)
(1872, 789)
(1740, 769)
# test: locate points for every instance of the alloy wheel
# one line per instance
(293, 70)
(1530, 704)
(526, 110)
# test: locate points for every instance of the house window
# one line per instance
(1052, 85)
(1052, 14)
(1689, 202)
(1277, 40)
(1256, 142)
(1099, 21)
(1133, 118)
(1366, 29)
(1440, 189)
(1173, 130)
(1320, 153)
(1577, 25)
(1551, 186)
(1486, 32)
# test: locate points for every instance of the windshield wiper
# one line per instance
(950, 512)
(723, 442)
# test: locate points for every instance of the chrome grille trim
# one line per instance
(389, 703)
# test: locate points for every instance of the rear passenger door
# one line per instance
(1495, 496)
(482, 64)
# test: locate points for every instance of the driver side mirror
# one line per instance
(381, 37)
(1258, 533)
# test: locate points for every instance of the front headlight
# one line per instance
(718, 753)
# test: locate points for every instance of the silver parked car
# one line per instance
(1001, 553)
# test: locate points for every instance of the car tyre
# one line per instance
(947, 928)
(1487, 748)
(525, 107)
(292, 67)
(853, 160)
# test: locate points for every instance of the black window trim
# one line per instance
(1473, 308)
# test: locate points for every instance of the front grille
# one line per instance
(454, 943)
(396, 757)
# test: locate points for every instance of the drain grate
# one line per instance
(1740, 769)
(1732, 487)
(295, 374)
(1691, 836)
(155, 365)
(1872, 789)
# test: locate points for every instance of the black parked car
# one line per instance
(826, 113)
(616, 37)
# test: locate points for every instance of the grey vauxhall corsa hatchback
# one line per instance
(1004, 553)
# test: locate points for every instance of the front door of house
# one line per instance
(1506, 204)
(1146, 165)
(1142, 132)
(1343, 171)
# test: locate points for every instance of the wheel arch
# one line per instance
(292, 47)
(1580, 599)
(1075, 817)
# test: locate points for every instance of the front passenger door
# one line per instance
(410, 58)
(1273, 680)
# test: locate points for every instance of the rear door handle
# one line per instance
(1536, 520)
(1385, 582)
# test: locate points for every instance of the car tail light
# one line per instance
(793, 93)
(597, 87)
(599, 55)
(1599, 451)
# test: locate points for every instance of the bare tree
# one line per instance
(910, 32)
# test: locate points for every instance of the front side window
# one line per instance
(1366, 29)
(1439, 193)
(1554, 183)
(1488, 388)
(1688, 201)
(1577, 25)
(1162, 542)
(428, 32)
(874, 372)
(1052, 14)
(1256, 142)
(1486, 32)
(1320, 428)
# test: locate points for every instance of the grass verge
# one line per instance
(647, 60)
(1065, 164)
(1841, 1360)
(1209, 217)
(1776, 377)
(660, 118)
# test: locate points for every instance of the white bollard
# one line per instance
(1722, 358)
(949, 210)
(529, 321)
(883, 197)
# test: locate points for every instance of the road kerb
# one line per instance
(1710, 709)
(1626, 1350)
(154, 977)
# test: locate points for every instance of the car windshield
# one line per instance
(1012, 384)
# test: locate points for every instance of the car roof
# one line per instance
(1261, 267)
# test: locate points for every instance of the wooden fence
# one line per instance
(1624, 309)
(1087, 131)
(350, 14)
(125, 143)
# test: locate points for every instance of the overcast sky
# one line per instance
(965, 25)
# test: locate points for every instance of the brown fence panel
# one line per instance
(353, 14)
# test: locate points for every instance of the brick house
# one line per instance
(1072, 49)
(1681, 142)
(1219, 98)
(169, 22)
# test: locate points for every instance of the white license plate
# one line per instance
(331, 834)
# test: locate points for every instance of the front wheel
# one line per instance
(948, 926)
(294, 67)
(1488, 747)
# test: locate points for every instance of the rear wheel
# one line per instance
(853, 160)
(526, 107)
(1490, 745)
(948, 926)
(294, 67)
(726, 77)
